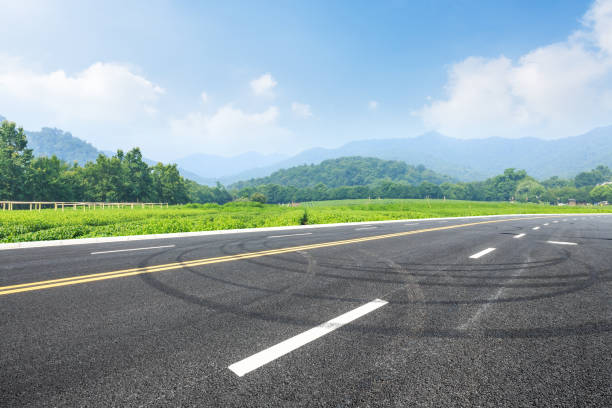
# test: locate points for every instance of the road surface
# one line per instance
(506, 311)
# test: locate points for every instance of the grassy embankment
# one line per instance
(20, 226)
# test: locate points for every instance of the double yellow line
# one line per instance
(74, 280)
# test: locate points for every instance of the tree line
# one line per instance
(124, 177)
(511, 185)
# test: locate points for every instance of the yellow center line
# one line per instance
(33, 286)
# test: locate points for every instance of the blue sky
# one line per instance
(281, 76)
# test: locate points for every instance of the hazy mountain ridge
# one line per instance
(52, 141)
(474, 159)
(464, 160)
(215, 167)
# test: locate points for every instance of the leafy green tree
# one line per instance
(593, 177)
(46, 181)
(258, 198)
(556, 182)
(454, 191)
(503, 187)
(427, 189)
(15, 159)
(104, 180)
(168, 185)
(137, 177)
(602, 193)
(529, 190)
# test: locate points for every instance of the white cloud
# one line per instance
(230, 130)
(301, 109)
(263, 85)
(599, 20)
(102, 92)
(553, 91)
(372, 105)
(108, 104)
(204, 97)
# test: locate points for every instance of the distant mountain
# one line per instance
(473, 159)
(50, 141)
(348, 171)
(214, 167)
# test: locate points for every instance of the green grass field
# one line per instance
(23, 225)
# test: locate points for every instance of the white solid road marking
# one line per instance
(535, 228)
(364, 228)
(482, 253)
(519, 235)
(270, 354)
(289, 235)
(561, 243)
(132, 249)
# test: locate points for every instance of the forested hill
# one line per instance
(348, 171)
(49, 142)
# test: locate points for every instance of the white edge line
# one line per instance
(102, 240)
(561, 243)
(519, 236)
(257, 360)
(289, 235)
(132, 249)
(482, 253)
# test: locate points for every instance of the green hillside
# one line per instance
(348, 171)
(50, 141)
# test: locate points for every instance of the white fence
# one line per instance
(61, 205)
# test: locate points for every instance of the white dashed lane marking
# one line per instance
(561, 243)
(270, 354)
(131, 249)
(482, 253)
(289, 235)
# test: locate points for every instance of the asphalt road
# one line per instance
(465, 312)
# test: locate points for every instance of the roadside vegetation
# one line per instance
(21, 226)
(512, 185)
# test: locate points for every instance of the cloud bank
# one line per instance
(101, 92)
(230, 130)
(553, 91)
